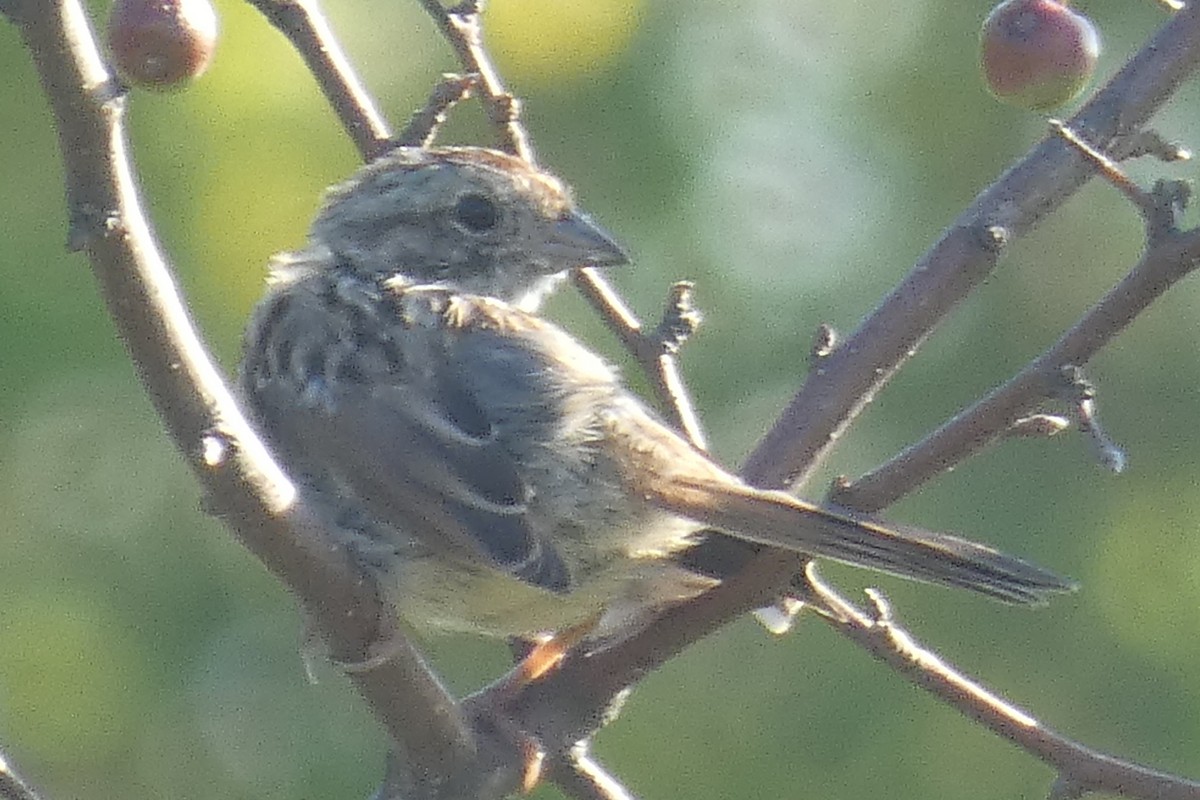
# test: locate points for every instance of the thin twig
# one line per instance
(308, 32)
(1084, 768)
(656, 359)
(423, 126)
(1167, 261)
(1081, 394)
(1149, 142)
(1037, 426)
(965, 255)
(1107, 168)
(462, 29)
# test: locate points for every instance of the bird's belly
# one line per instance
(618, 583)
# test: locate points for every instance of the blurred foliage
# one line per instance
(793, 158)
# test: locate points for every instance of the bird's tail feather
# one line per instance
(781, 520)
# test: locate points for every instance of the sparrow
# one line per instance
(489, 469)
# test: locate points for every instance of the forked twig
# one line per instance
(423, 126)
(461, 27)
(1170, 256)
(965, 254)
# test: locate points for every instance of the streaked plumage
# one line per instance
(494, 470)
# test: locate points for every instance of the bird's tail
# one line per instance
(781, 520)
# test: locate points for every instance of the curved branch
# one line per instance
(242, 483)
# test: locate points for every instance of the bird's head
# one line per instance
(476, 220)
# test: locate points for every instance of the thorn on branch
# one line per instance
(1148, 142)
(1038, 426)
(1082, 394)
(994, 238)
(214, 449)
(1108, 167)
(88, 222)
(1110, 456)
(1160, 208)
(779, 617)
(680, 318)
(881, 605)
(824, 342)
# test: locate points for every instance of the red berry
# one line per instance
(160, 44)
(1037, 54)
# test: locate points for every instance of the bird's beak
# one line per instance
(578, 241)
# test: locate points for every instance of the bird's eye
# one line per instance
(476, 213)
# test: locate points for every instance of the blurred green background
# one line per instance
(793, 158)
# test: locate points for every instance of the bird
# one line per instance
(489, 469)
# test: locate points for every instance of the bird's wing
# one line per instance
(422, 457)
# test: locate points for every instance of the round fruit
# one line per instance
(161, 44)
(1037, 54)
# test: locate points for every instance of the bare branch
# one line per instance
(963, 257)
(1168, 259)
(654, 354)
(460, 26)
(1082, 395)
(305, 27)
(423, 126)
(256, 498)
(1080, 767)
